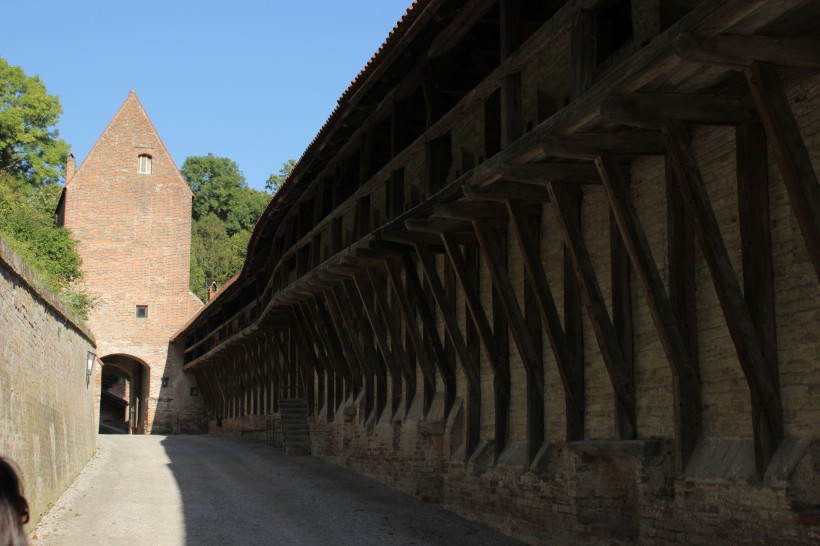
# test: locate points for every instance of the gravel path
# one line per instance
(198, 490)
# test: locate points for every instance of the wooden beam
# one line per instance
(469, 211)
(688, 420)
(738, 51)
(540, 173)
(409, 312)
(363, 289)
(756, 238)
(622, 382)
(583, 53)
(767, 411)
(591, 145)
(572, 377)
(428, 264)
(428, 320)
(655, 108)
(467, 275)
(337, 324)
(790, 152)
(377, 285)
(502, 190)
(383, 360)
(530, 356)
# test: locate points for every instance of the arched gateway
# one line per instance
(124, 394)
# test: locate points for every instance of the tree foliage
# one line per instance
(30, 146)
(32, 159)
(275, 181)
(27, 225)
(225, 212)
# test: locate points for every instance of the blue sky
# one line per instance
(252, 80)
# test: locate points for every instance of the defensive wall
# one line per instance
(49, 406)
(557, 277)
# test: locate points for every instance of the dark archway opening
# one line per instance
(124, 395)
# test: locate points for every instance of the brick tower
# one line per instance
(130, 209)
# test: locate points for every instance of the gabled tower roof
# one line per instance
(131, 112)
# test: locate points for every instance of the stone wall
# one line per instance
(48, 407)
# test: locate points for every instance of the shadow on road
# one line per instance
(244, 492)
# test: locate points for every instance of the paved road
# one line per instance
(200, 490)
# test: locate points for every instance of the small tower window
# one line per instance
(142, 311)
(145, 164)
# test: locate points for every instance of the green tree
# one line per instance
(275, 181)
(29, 143)
(225, 212)
(27, 225)
(212, 252)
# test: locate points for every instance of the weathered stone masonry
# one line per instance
(554, 265)
(48, 406)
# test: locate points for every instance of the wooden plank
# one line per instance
(583, 53)
(654, 108)
(631, 235)
(502, 190)
(622, 382)
(790, 152)
(469, 210)
(539, 173)
(591, 145)
(756, 238)
(738, 52)
(766, 406)
(572, 378)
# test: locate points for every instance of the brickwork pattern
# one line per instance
(134, 233)
(48, 408)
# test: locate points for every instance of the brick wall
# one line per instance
(48, 408)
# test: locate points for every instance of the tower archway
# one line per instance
(124, 394)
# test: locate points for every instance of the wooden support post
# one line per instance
(518, 326)
(756, 238)
(362, 333)
(619, 374)
(767, 410)
(393, 323)
(345, 332)
(428, 319)
(584, 53)
(572, 377)
(630, 234)
(409, 312)
(790, 152)
(465, 355)
(467, 275)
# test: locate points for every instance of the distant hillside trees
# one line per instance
(32, 161)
